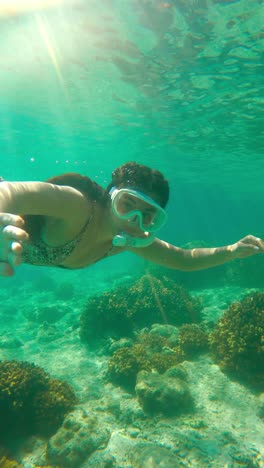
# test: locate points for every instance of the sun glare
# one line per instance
(14, 7)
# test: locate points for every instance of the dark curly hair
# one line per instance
(137, 176)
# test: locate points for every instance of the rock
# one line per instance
(177, 372)
(78, 437)
(153, 455)
(116, 454)
(162, 393)
(10, 342)
(50, 313)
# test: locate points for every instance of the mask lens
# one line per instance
(133, 206)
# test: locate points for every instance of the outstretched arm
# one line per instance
(36, 198)
(170, 256)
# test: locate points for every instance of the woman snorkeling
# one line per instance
(69, 221)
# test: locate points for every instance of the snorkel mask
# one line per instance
(149, 216)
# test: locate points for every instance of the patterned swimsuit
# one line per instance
(42, 254)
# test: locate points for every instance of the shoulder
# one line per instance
(82, 183)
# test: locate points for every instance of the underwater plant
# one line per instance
(31, 402)
(124, 310)
(237, 340)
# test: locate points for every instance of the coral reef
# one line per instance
(79, 436)
(147, 301)
(7, 461)
(165, 394)
(106, 315)
(161, 300)
(152, 342)
(125, 363)
(31, 402)
(161, 362)
(192, 340)
(237, 340)
(153, 351)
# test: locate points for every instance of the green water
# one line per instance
(179, 85)
(87, 85)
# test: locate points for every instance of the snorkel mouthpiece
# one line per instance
(125, 240)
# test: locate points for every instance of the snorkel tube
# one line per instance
(123, 239)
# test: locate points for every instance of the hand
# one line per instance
(249, 245)
(12, 236)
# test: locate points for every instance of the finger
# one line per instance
(16, 248)
(13, 232)
(247, 250)
(260, 243)
(6, 269)
(15, 254)
(8, 218)
(251, 247)
(255, 241)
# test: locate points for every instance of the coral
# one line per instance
(154, 343)
(161, 362)
(154, 352)
(6, 460)
(162, 393)
(125, 363)
(192, 340)
(106, 315)
(147, 301)
(237, 340)
(78, 437)
(31, 402)
(9, 463)
(169, 332)
(160, 300)
(51, 406)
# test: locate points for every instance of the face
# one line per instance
(135, 212)
(128, 204)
